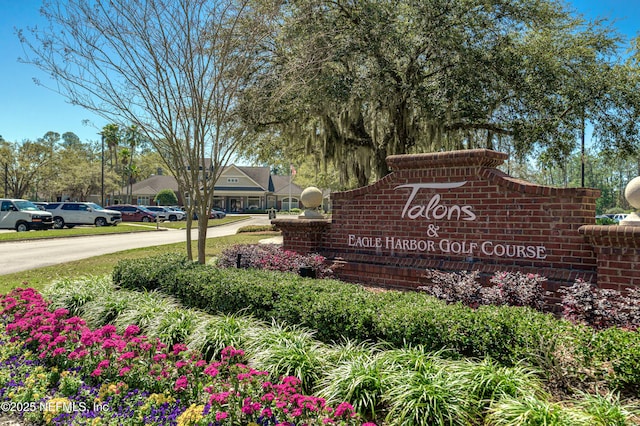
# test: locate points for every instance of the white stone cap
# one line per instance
(632, 194)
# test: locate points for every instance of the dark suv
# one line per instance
(73, 213)
(131, 213)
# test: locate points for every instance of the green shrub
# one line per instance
(336, 309)
(616, 353)
(149, 273)
(256, 228)
(605, 221)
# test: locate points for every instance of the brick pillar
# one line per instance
(302, 235)
(617, 250)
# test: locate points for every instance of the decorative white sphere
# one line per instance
(311, 197)
(632, 192)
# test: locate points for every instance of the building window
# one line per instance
(271, 202)
(288, 206)
(253, 203)
(218, 203)
(232, 180)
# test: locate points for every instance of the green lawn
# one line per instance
(78, 230)
(182, 224)
(119, 229)
(100, 265)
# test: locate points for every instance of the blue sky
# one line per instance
(28, 111)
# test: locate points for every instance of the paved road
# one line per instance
(24, 255)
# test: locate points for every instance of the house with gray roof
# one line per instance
(239, 189)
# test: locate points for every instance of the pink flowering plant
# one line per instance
(245, 395)
(225, 392)
(273, 258)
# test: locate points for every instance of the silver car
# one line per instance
(167, 213)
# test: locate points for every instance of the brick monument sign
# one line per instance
(452, 211)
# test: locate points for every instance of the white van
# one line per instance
(23, 215)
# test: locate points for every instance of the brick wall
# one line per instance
(617, 249)
(456, 211)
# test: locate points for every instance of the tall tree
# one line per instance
(28, 165)
(356, 81)
(70, 139)
(111, 135)
(133, 139)
(6, 162)
(173, 68)
(78, 171)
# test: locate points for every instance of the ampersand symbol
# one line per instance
(432, 231)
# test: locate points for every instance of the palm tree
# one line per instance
(111, 134)
(133, 138)
(125, 159)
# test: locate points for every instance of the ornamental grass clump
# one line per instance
(288, 351)
(214, 333)
(360, 380)
(105, 308)
(532, 411)
(74, 294)
(606, 409)
(146, 310)
(424, 389)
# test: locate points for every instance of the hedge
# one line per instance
(337, 309)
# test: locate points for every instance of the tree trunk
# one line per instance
(382, 169)
(203, 222)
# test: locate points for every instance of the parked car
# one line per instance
(161, 214)
(217, 214)
(41, 205)
(167, 213)
(179, 211)
(131, 213)
(23, 215)
(619, 216)
(71, 213)
(213, 214)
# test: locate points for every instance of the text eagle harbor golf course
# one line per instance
(434, 210)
